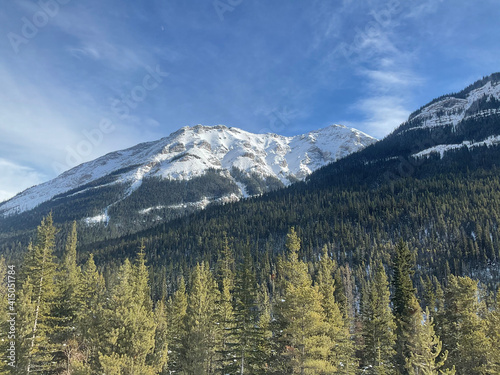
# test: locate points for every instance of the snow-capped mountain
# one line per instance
(465, 120)
(452, 109)
(190, 152)
(454, 131)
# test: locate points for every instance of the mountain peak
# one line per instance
(451, 109)
(192, 151)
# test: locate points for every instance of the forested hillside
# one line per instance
(384, 262)
(232, 316)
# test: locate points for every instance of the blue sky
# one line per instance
(79, 79)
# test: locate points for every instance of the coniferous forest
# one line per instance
(380, 263)
(242, 312)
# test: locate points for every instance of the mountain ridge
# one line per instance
(191, 151)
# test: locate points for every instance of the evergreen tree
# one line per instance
(378, 330)
(37, 346)
(69, 278)
(159, 357)
(463, 328)
(89, 311)
(342, 351)
(425, 348)
(177, 306)
(494, 336)
(225, 312)
(304, 345)
(265, 325)
(128, 338)
(404, 302)
(26, 307)
(199, 344)
(247, 339)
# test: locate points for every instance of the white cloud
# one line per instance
(84, 51)
(383, 114)
(388, 100)
(16, 178)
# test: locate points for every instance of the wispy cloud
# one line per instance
(16, 178)
(84, 52)
(313, 63)
(382, 114)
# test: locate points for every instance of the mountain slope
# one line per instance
(460, 130)
(240, 163)
(447, 208)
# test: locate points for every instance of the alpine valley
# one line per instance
(324, 253)
(454, 137)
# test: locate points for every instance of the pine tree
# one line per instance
(304, 345)
(494, 336)
(40, 292)
(199, 343)
(225, 313)
(177, 306)
(403, 302)
(426, 355)
(463, 328)
(342, 352)
(378, 326)
(159, 357)
(247, 339)
(89, 296)
(128, 338)
(69, 278)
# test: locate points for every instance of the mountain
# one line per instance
(184, 172)
(459, 130)
(446, 206)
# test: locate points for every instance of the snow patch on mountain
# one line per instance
(451, 110)
(441, 149)
(103, 218)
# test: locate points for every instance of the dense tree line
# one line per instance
(243, 312)
(450, 220)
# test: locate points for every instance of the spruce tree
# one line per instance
(342, 351)
(247, 339)
(378, 326)
(90, 297)
(24, 324)
(69, 278)
(265, 325)
(199, 344)
(128, 338)
(225, 318)
(301, 330)
(426, 355)
(159, 357)
(176, 317)
(404, 306)
(463, 328)
(38, 346)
